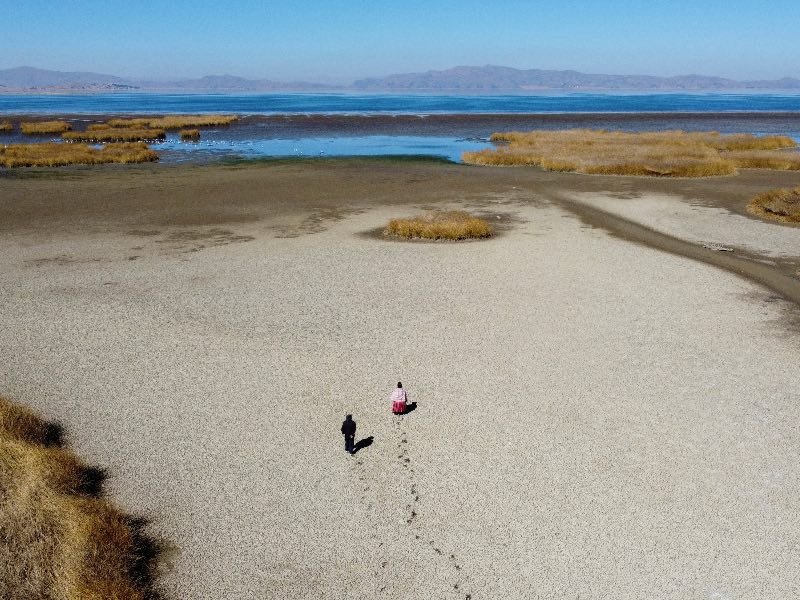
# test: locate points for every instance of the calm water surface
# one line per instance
(308, 125)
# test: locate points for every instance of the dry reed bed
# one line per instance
(120, 134)
(440, 225)
(6, 126)
(779, 205)
(191, 135)
(44, 127)
(58, 538)
(174, 121)
(654, 154)
(58, 154)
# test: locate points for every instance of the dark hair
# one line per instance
(399, 384)
(349, 417)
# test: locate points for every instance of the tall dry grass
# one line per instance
(59, 154)
(44, 127)
(119, 134)
(191, 135)
(6, 126)
(653, 154)
(175, 121)
(58, 539)
(440, 225)
(779, 205)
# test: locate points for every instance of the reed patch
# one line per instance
(189, 135)
(60, 154)
(651, 154)
(175, 121)
(6, 127)
(440, 225)
(59, 538)
(778, 205)
(44, 127)
(115, 134)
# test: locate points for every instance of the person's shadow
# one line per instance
(410, 408)
(365, 443)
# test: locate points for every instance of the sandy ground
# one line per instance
(700, 223)
(596, 419)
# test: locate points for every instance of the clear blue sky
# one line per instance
(338, 40)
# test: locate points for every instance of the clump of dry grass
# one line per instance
(191, 135)
(765, 159)
(6, 126)
(778, 205)
(112, 134)
(58, 538)
(57, 155)
(44, 127)
(440, 225)
(653, 154)
(133, 123)
(175, 121)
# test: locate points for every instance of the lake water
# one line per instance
(309, 125)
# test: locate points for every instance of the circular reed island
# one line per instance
(451, 225)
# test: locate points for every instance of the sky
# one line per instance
(337, 41)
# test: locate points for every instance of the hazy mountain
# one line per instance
(492, 78)
(459, 79)
(231, 83)
(29, 78)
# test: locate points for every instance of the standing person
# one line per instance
(349, 432)
(399, 399)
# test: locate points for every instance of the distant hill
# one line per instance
(29, 79)
(493, 78)
(458, 79)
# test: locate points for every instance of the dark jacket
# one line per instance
(349, 427)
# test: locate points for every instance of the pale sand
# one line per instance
(596, 419)
(692, 220)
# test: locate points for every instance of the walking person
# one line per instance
(349, 432)
(399, 399)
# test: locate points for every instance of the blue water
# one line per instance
(392, 104)
(449, 148)
(307, 125)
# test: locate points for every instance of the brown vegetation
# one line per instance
(440, 225)
(654, 154)
(778, 205)
(175, 121)
(96, 136)
(6, 126)
(44, 127)
(191, 135)
(58, 154)
(58, 538)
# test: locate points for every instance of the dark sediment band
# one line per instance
(479, 125)
(748, 267)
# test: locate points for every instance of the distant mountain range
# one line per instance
(486, 79)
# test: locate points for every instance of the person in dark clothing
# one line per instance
(349, 432)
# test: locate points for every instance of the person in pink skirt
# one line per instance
(399, 399)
